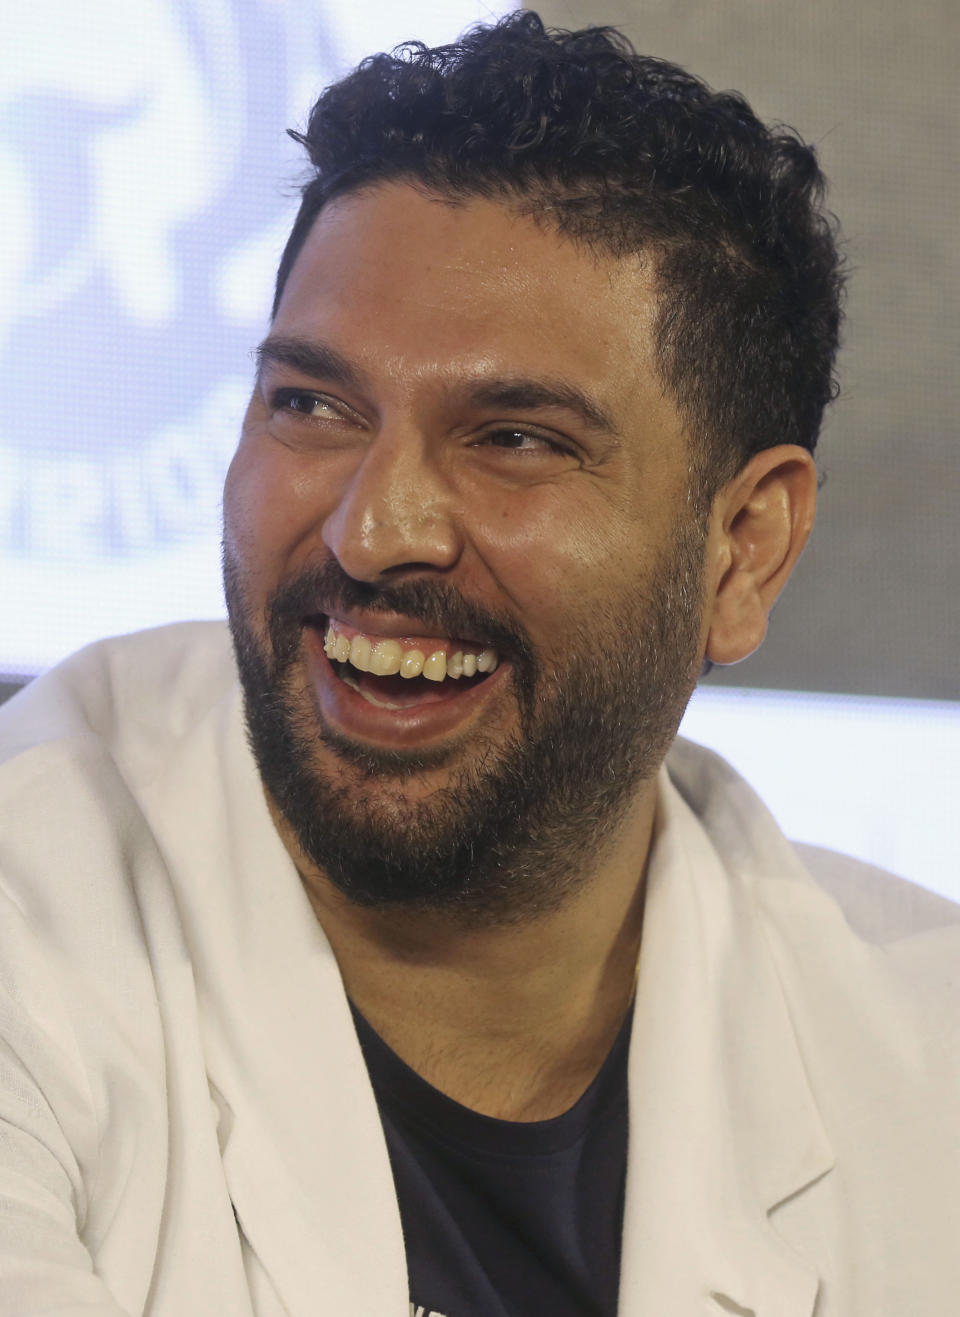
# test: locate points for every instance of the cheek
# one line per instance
(271, 509)
(551, 550)
(257, 523)
(246, 502)
(236, 495)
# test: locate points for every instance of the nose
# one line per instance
(393, 513)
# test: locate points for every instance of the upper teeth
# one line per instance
(386, 657)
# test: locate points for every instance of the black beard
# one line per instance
(522, 823)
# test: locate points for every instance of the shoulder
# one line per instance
(866, 962)
(122, 697)
(79, 749)
(877, 907)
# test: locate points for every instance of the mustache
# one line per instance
(436, 606)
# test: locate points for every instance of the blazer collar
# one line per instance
(723, 1124)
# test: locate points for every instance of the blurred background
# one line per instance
(148, 186)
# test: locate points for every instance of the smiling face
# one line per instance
(458, 453)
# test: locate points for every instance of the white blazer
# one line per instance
(186, 1124)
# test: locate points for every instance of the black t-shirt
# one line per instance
(504, 1218)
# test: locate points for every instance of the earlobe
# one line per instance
(760, 524)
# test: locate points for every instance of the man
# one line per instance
(446, 995)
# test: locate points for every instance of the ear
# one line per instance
(759, 525)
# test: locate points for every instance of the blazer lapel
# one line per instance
(723, 1125)
(303, 1150)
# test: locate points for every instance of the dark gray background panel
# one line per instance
(872, 607)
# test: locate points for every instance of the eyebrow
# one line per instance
(531, 394)
(325, 363)
(310, 358)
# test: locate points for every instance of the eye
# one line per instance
(522, 441)
(306, 420)
(303, 402)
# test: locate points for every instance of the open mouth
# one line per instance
(400, 693)
(405, 671)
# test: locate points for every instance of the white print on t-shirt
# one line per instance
(418, 1310)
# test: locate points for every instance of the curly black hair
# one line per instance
(624, 152)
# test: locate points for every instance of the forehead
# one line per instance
(408, 283)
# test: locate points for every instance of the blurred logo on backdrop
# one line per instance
(141, 169)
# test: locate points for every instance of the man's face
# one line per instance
(458, 445)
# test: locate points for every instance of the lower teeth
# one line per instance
(370, 699)
(408, 691)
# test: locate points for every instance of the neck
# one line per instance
(516, 1020)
